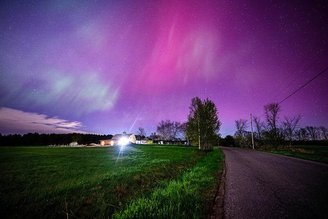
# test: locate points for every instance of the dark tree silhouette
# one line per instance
(259, 127)
(141, 131)
(271, 112)
(169, 130)
(289, 127)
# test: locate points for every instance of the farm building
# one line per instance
(116, 138)
(143, 140)
(107, 142)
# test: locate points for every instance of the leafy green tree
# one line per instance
(203, 124)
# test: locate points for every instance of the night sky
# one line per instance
(114, 66)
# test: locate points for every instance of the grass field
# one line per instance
(97, 183)
(308, 152)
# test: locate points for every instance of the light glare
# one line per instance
(123, 141)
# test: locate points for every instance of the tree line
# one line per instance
(274, 130)
(36, 139)
(201, 129)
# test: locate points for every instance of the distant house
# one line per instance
(173, 141)
(133, 139)
(115, 139)
(73, 144)
(143, 140)
(107, 142)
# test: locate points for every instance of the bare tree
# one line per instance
(301, 134)
(141, 131)
(169, 130)
(154, 136)
(259, 126)
(241, 135)
(323, 133)
(164, 129)
(289, 126)
(272, 115)
(181, 130)
(271, 112)
(241, 126)
(312, 132)
(176, 129)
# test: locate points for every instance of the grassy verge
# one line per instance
(85, 182)
(307, 152)
(186, 197)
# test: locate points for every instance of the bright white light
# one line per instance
(123, 141)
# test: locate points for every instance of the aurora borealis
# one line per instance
(114, 66)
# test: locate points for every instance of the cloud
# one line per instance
(84, 93)
(17, 121)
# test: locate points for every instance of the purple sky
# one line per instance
(114, 66)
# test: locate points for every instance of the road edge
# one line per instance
(218, 207)
(297, 158)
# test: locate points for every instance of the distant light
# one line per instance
(123, 141)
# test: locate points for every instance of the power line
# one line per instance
(308, 82)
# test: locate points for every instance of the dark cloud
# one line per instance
(17, 121)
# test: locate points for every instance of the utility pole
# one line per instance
(252, 131)
(198, 133)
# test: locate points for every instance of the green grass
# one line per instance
(186, 197)
(93, 183)
(308, 152)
